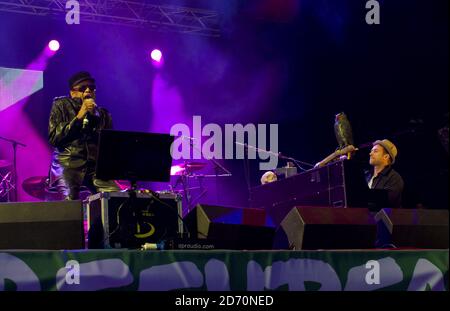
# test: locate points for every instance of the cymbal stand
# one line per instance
(186, 174)
(279, 155)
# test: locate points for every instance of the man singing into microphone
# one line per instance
(74, 125)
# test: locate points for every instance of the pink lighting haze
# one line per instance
(16, 87)
(156, 55)
(176, 169)
(53, 45)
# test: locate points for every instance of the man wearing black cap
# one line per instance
(74, 125)
(382, 157)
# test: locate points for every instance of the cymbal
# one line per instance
(4, 163)
(36, 186)
(186, 168)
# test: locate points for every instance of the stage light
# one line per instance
(53, 45)
(156, 55)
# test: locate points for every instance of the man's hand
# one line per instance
(87, 106)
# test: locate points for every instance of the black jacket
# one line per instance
(75, 144)
(391, 181)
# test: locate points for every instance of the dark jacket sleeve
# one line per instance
(108, 120)
(394, 186)
(60, 130)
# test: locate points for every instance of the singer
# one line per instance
(74, 124)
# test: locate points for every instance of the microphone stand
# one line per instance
(14, 145)
(278, 155)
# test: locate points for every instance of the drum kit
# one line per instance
(37, 187)
(8, 173)
(187, 172)
(184, 173)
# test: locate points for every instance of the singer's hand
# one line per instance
(87, 106)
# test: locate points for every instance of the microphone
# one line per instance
(86, 117)
(85, 121)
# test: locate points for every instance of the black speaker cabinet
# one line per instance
(117, 220)
(230, 227)
(310, 228)
(42, 225)
(416, 228)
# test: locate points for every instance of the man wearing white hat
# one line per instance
(382, 157)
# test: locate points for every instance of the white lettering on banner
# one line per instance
(426, 276)
(18, 272)
(256, 278)
(97, 275)
(390, 274)
(216, 276)
(294, 273)
(177, 275)
(373, 275)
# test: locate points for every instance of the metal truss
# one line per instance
(138, 13)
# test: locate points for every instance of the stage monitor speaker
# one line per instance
(416, 228)
(310, 228)
(230, 227)
(42, 225)
(122, 220)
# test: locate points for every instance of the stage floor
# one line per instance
(224, 270)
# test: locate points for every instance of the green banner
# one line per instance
(214, 270)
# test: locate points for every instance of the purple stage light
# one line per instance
(156, 55)
(53, 45)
